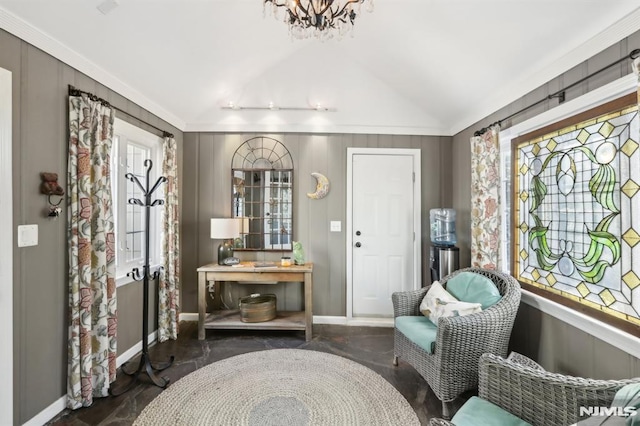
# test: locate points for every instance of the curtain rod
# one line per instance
(77, 92)
(560, 94)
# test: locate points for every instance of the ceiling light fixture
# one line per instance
(273, 107)
(320, 18)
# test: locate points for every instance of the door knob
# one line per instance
(358, 233)
(358, 244)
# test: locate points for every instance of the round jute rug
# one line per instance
(280, 387)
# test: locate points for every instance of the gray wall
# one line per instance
(557, 345)
(208, 178)
(563, 348)
(40, 143)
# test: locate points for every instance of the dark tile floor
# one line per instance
(369, 346)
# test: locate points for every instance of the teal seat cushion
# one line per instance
(628, 397)
(474, 288)
(419, 330)
(478, 412)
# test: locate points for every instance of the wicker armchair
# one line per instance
(453, 367)
(521, 387)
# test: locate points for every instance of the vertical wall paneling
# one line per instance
(317, 242)
(577, 350)
(40, 293)
(311, 152)
(42, 151)
(208, 206)
(336, 261)
(190, 238)
(557, 345)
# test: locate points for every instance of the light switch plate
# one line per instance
(336, 226)
(27, 235)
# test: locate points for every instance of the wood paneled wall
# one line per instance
(207, 182)
(557, 345)
(40, 143)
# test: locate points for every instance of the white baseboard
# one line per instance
(323, 319)
(355, 322)
(329, 320)
(60, 404)
(188, 316)
(48, 413)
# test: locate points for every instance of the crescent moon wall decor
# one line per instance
(322, 186)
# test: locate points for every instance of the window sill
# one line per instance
(609, 334)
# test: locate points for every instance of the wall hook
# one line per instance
(54, 208)
(49, 187)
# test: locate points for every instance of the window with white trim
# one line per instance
(608, 310)
(132, 146)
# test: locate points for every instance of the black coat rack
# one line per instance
(145, 363)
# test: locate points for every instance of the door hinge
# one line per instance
(414, 176)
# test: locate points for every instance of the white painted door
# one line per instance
(383, 231)
(6, 252)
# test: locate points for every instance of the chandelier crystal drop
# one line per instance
(323, 19)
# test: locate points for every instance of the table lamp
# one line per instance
(225, 229)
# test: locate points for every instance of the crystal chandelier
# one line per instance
(322, 19)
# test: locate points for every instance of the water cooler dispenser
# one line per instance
(444, 255)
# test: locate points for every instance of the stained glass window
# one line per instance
(577, 213)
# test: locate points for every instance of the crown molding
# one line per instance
(607, 38)
(315, 128)
(23, 30)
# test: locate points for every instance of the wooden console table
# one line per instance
(230, 319)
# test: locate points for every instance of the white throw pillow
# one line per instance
(438, 303)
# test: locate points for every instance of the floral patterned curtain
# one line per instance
(485, 199)
(168, 308)
(91, 240)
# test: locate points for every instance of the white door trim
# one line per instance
(6, 249)
(417, 208)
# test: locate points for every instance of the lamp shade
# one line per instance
(225, 228)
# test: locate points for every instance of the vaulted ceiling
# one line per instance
(429, 67)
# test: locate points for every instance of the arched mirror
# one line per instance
(262, 191)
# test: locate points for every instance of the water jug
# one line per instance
(443, 227)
